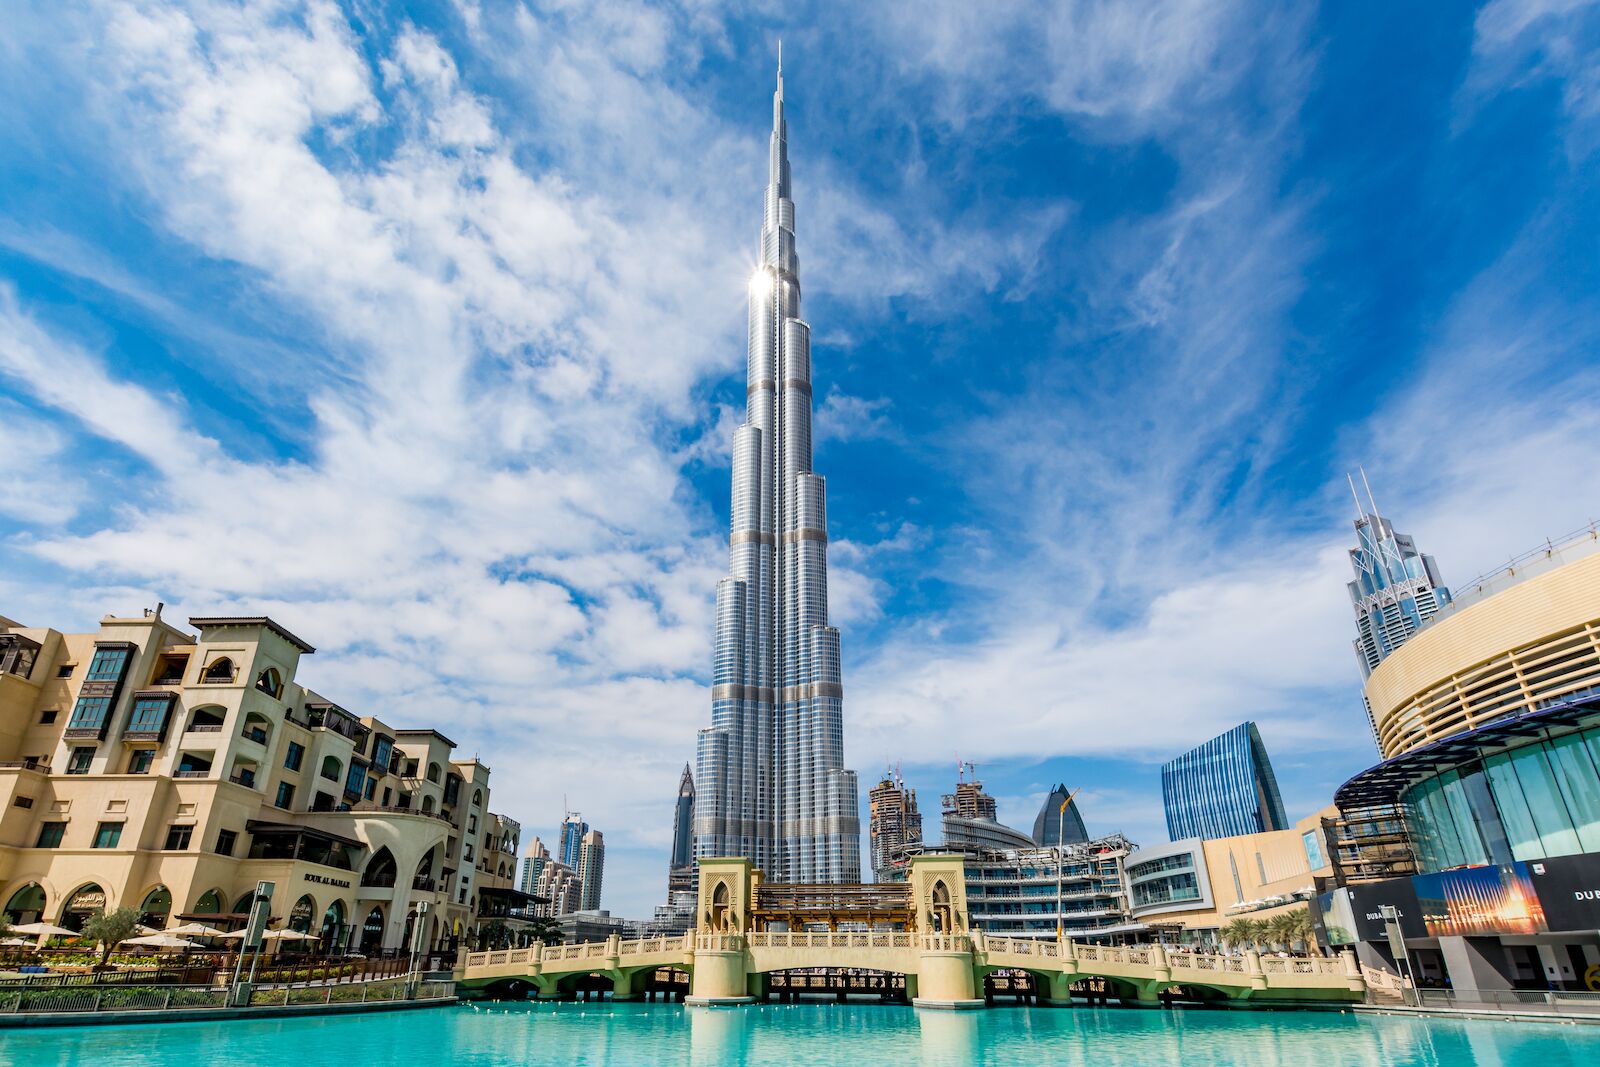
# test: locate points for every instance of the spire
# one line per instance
(778, 168)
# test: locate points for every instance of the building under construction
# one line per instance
(896, 827)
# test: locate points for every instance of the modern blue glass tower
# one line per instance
(1224, 788)
(770, 775)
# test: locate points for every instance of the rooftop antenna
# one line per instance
(1360, 511)
(1377, 520)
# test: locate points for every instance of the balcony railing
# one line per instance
(256, 734)
(41, 766)
(396, 810)
(192, 774)
(204, 728)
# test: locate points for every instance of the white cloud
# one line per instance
(842, 417)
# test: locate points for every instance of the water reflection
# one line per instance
(720, 1036)
(949, 1038)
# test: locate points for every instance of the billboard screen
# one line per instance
(1479, 900)
(1352, 913)
(1569, 891)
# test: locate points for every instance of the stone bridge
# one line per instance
(729, 956)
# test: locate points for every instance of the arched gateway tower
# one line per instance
(770, 770)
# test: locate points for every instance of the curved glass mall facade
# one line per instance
(1489, 719)
(1532, 801)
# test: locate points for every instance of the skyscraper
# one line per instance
(572, 830)
(1223, 788)
(680, 868)
(1052, 826)
(896, 825)
(770, 769)
(1396, 588)
(591, 870)
(531, 866)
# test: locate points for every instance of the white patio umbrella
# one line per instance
(195, 930)
(272, 935)
(43, 931)
(15, 942)
(161, 941)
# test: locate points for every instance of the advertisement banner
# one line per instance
(1354, 912)
(1568, 888)
(1479, 900)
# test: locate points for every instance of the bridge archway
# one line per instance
(510, 989)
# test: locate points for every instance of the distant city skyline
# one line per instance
(382, 326)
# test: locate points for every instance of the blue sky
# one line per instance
(420, 328)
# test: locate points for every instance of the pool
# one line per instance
(826, 1035)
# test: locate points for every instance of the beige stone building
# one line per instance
(1200, 885)
(171, 769)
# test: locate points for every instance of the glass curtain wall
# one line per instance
(1540, 800)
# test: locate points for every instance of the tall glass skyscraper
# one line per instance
(1224, 788)
(683, 821)
(770, 769)
(572, 830)
(1395, 590)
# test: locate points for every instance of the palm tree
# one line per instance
(1306, 929)
(1237, 933)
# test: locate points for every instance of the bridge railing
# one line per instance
(832, 939)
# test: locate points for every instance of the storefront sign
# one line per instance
(320, 880)
(1569, 890)
(1366, 909)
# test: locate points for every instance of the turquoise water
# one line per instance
(827, 1035)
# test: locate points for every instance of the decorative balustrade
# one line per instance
(1180, 966)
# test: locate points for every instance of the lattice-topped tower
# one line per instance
(771, 783)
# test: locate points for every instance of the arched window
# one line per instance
(243, 905)
(301, 914)
(477, 798)
(257, 727)
(423, 879)
(718, 919)
(210, 903)
(333, 927)
(219, 671)
(427, 803)
(331, 768)
(156, 907)
(84, 902)
(380, 872)
(26, 905)
(372, 931)
(270, 682)
(433, 772)
(207, 719)
(943, 913)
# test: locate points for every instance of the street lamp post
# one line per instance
(1061, 842)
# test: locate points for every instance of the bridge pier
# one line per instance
(1057, 989)
(719, 975)
(625, 985)
(946, 978)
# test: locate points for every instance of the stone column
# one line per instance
(720, 973)
(945, 977)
